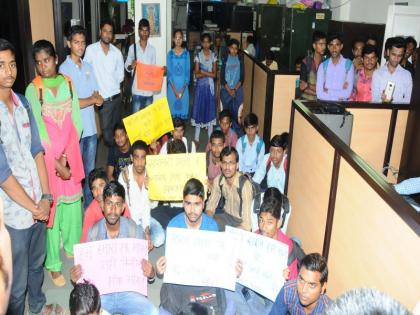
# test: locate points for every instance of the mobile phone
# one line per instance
(389, 91)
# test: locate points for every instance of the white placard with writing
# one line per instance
(200, 258)
(263, 259)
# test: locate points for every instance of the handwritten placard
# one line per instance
(149, 77)
(199, 258)
(149, 123)
(168, 173)
(264, 260)
(113, 265)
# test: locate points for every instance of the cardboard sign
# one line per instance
(149, 77)
(113, 265)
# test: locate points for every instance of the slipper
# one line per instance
(59, 281)
(47, 309)
(59, 310)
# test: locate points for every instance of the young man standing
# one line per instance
(108, 65)
(146, 54)
(23, 187)
(392, 72)
(336, 74)
(84, 80)
(357, 49)
(229, 203)
(310, 64)
(306, 294)
(114, 226)
(133, 179)
(363, 79)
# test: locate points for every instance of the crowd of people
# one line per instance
(54, 195)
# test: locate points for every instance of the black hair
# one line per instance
(273, 192)
(114, 188)
(217, 134)
(194, 308)
(43, 45)
(178, 30)
(139, 145)
(176, 146)
(178, 122)
(204, 36)
(372, 37)
(368, 49)
(76, 29)
(97, 173)
(84, 299)
(233, 41)
(269, 55)
(228, 151)
(315, 262)
(397, 42)
(193, 187)
(299, 60)
(250, 120)
(250, 39)
(225, 113)
(280, 140)
(6, 45)
(388, 42)
(357, 40)
(334, 36)
(411, 40)
(317, 36)
(272, 206)
(106, 22)
(144, 23)
(119, 126)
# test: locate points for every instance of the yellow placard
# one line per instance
(168, 173)
(149, 123)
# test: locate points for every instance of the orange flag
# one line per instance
(149, 77)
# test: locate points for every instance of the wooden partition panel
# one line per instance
(371, 246)
(259, 96)
(247, 88)
(284, 93)
(397, 143)
(370, 134)
(42, 20)
(309, 184)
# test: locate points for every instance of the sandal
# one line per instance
(60, 281)
(59, 310)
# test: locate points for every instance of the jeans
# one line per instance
(127, 303)
(88, 151)
(28, 254)
(157, 233)
(249, 302)
(139, 102)
(109, 116)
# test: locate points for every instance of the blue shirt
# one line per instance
(276, 176)
(207, 223)
(287, 302)
(84, 80)
(250, 156)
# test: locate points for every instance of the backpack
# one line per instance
(39, 87)
(256, 191)
(285, 206)
(348, 64)
(259, 145)
(132, 230)
(174, 298)
(296, 253)
(264, 183)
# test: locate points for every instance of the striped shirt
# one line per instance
(287, 302)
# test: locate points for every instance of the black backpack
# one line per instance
(174, 298)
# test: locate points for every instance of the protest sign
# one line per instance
(199, 258)
(113, 265)
(264, 260)
(168, 173)
(149, 77)
(149, 123)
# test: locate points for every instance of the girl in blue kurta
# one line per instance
(232, 77)
(204, 107)
(178, 75)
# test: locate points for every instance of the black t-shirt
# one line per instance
(118, 160)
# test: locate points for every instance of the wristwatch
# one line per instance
(48, 197)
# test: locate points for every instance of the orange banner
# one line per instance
(149, 77)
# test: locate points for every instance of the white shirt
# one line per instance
(401, 78)
(146, 56)
(164, 149)
(137, 199)
(276, 177)
(108, 68)
(249, 158)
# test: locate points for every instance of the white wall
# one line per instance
(163, 42)
(368, 11)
